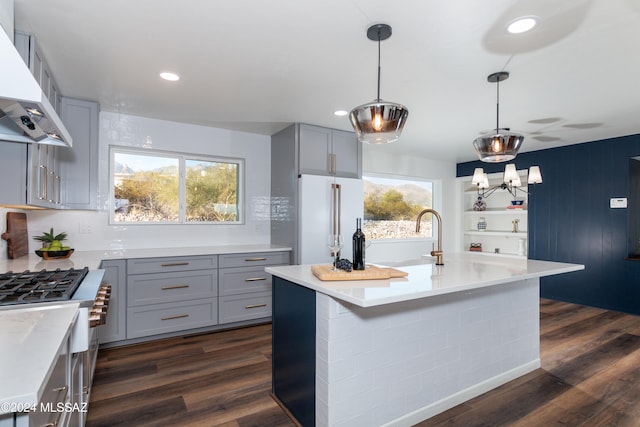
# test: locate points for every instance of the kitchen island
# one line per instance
(398, 351)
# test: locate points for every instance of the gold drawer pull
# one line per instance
(164, 288)
(173, 264)
(255, 259)
(254, 306)
(63, 388)
(255, 279)
(179, 316)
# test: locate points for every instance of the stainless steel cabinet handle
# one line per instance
(255, 279)
(254, 306)
(59, 201)
(42, 183)
(173, 264)
(178, 316)
(164, 288)
(255, 259)
(53, 187)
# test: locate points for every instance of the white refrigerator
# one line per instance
(317, 210)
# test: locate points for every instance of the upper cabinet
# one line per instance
(32, 55)
(6, 17)
(324, 151)
(33, 171)
(79, 165)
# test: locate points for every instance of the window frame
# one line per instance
(435, 202)
(182, 158)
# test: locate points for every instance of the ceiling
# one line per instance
(258, 65)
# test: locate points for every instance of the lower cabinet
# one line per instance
(156, 319)
(174, 294)
(115, 328)
(236, 308)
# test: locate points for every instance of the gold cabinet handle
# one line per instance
(248, 307)
(173, 264)
(164, 288)
(255, 259)
(255, 279)
(179, 316)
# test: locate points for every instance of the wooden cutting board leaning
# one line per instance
(323, 272)
(16, 235)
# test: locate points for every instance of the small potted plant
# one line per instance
(52, 246)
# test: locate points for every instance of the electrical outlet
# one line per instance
(84, 228)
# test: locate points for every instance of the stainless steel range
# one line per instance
(41, 286)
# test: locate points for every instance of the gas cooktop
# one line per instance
(40, 286)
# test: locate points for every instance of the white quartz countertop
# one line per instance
(92, 259)
(31, 339)
(461, 272)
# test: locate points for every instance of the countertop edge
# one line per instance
(92, 259)
(302, 275)
(33, 393)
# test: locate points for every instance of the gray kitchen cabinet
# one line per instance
(33, 169)
(171, 294)
(79, 165)
(13, 169)
(30, 52)
(115, 329)
(245, 288)
(157, 297)
(324, 151)
(157, 319)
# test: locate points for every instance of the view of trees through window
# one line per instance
(174, 188)
(391, 207)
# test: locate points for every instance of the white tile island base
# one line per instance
(402, 363)
(337, 363)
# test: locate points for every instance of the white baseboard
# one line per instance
(462, 396)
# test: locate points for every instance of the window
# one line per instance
(162, 187)
(391, 207)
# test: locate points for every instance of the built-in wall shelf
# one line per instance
(497, 212)
(519, 234)
(492, 228)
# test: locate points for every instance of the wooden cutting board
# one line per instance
(323, 272)
(16, 235)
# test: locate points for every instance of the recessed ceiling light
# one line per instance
(172, 77)
(522, 24)
(340, 113)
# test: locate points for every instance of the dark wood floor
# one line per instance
(590, 376)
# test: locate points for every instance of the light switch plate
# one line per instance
(619, 202)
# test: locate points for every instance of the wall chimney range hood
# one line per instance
(26, 115)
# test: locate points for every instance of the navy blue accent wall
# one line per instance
(570, 220)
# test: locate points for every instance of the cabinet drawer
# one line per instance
(161, 265)
(56, 390)
(235, 308)
(161, 318)
(253, 259)
(144, 289)
(243, 280)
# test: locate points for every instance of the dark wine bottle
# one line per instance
(358, 246)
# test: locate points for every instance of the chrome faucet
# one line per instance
(436, 253)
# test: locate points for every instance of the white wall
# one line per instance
(91, 230)
(381, 162)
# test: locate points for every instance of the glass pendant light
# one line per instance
(503, 145)
(379, 122)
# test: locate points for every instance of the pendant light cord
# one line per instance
(497, 106)
(378, 100)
